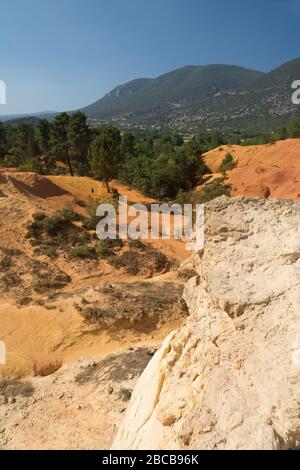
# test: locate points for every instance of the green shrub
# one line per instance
(10, 251)
(46, 250)
(103, 249)
(5, 263)
(114, 243)
(213, 190)
(160, 260)
(90, 223)
(228, 163)
(10, 280)
(32, 165)
(35, 228)
(39, 216)
(128, 260)
(210, 191)
(70, 216)
(84, 252)
(136, 244)
(55, 225)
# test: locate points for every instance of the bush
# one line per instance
(48, 233)
(90, 223)
(10, 280)
(55, 224)
(103, 249)
(14, 388)
(35, 228)
(209, 192)
(213, 190)
(128, 260)
(70, 216)
(84, 252)
(228, 163)
(39, 216)
(161, 176)
(11, 251)
(134, 261)
(5, 263)
(58, 225)
(96, 314)
(136, 244)
(46, 250)
(160, 261)
(33, 166)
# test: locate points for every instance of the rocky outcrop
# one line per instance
(230, 377)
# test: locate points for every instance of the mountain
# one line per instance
(27, 117)
(212, 96)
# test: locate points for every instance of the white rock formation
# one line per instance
(230, 378)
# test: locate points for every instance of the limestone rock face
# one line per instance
(230, 377)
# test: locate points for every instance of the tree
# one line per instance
(42, 135)
(281, 134)
(59, 139)
(3, 141)
(164, 145)
(127, 145)
(216, 140)
(78, 141)
(294, 130)
(105, 154)
(24, 147)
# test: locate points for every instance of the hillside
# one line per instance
(212, 96)
(284, 153)
(78, 329)
(271, 170)
(187, 83)
(46, 288)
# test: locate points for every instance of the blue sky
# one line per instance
(64, 54)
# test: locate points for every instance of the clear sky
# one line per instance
(64, 54)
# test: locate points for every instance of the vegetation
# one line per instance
(161, 165)
(51, 233)
(209, 192)
(213, 190)
(228, 163)
(5, 263)
(105, 154)
(10, 251)
(137, 260)
(13, 388)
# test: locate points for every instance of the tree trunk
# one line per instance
(70, 166)
(107, 185)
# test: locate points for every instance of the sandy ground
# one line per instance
(79, 407)
(48, 331)
(52, 396)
